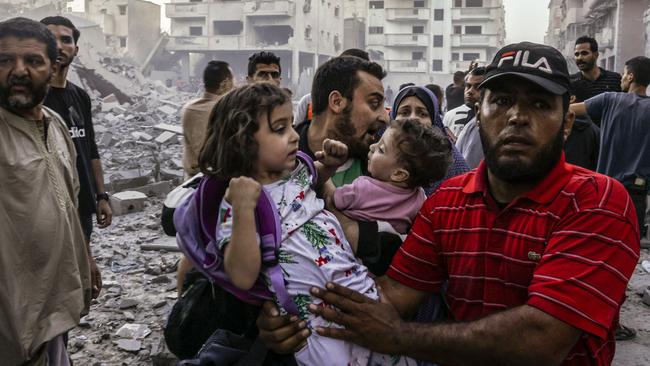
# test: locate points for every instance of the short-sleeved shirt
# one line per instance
(456, 119)
(624, 135)
(73, 104)
(568, 248)
(583, 88)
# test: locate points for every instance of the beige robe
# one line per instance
(44, 270)
(196, 115)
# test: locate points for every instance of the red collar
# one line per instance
(543, 192)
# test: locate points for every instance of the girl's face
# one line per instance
(412, 107)
(383, 159)
(278, 145)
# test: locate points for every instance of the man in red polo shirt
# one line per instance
(537, 253)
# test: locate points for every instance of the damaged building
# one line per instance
(303, 33)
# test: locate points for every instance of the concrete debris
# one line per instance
(170, 111)
(129, 345)
(166, 138)
(141, 136)
(127, 202)
(158, 189)
(110, 99)
(133, 331)
(171, 128)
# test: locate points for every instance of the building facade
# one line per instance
(428, 40)
(617, 25)
(130, 26)
(303, 33)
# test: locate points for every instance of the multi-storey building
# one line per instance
(615, 24)
(130, 26)
(427, 40)
(303, 33)
(646, 22)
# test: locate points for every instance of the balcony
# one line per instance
(605, 37)
(475, 13)
(186, 10)
(270, 7)
(407, 40)
(475, 40)
(463, 65)
(408, 14)
(572, 16)
(205, 43)
(407, 66)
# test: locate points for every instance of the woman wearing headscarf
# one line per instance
(420, 103)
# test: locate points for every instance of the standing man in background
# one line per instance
(73, 104)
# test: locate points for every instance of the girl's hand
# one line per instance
(334, 153)
(243, 193)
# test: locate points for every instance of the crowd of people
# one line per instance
(504, 231)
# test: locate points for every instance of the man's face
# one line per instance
(25, 71)
(266, 72)
(626, 80)
(363, 116)
(472, 92)
(585, 58)
(64, 43)
(522, 128)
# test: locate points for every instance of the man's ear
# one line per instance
(337, 102)
(400, 175)
(76, 50)
(249, 79)
(569, 118)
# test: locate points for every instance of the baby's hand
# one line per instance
(334, 153)
(243, 193)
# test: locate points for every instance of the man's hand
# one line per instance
(282, 334)
(95, 278)
(369, 323)
(104, 214)
(334, 153)
(243, 193)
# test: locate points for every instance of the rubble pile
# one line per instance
(139, 139)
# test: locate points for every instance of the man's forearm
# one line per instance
(519, 336)
(98, 174)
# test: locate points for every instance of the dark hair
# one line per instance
(639, 67)
(340, 74)
(59, 20)
(23, 28)
(459, 76)
(230, 148)
(436, 90)
(356, 53)
(478, 71)
(215, 73)
(263, 57)
(424, 151)
(593, 45)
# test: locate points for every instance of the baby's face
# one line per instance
(383, 158)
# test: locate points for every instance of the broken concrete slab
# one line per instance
(111, 98)
(157, 189)
(170, 128)
(167, 138)
(133, 331)
(165, 243)
(172, 104)
(127, 179)
(129, 345)
(107, 140)
(127, 202)
(141, 136)
(168, 110)
(174, 175)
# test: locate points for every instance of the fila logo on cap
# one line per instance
(521, 59)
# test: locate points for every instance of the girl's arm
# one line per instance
(242, 256)
(333, 155)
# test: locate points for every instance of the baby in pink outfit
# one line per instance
(409, 156)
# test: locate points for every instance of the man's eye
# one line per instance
(502, 101)
(541, 104)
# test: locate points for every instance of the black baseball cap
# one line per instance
(541, 64)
